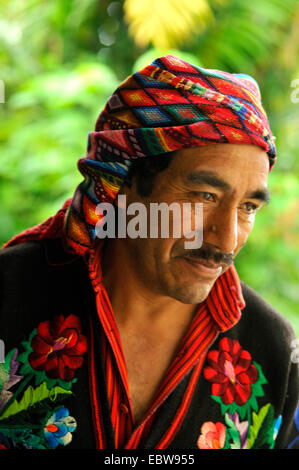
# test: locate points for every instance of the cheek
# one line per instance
(244, 230)
(163, 249)
(152, 253)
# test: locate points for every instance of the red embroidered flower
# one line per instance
(212, 436)
(58, 347)
(231, 371)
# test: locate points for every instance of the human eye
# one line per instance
(250, 207)
(204, 195)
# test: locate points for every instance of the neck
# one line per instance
(132, 298)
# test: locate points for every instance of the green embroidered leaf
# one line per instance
(231, 408)
(22, 357)
(23, 435)
(32, 396)
(34, 442)
(265, 435)
(259, 430)
(261, 379)
(217, 399)
(244, 410)
(257, 390)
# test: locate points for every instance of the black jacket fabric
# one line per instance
(39, 280)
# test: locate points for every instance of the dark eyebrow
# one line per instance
(210, 178)
(207, 177)
(260, 194)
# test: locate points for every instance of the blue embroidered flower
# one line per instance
(276, 426)
(59, 428)
(296, 421)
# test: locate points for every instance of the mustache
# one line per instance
(208, 253)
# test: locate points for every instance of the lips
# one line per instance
(205, 263)
(205, 268)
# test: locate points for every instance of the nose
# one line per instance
(221, 229)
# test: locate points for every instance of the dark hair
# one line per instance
(144, 170)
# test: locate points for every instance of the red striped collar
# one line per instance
(225, 301)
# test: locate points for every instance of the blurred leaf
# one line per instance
(165, 23)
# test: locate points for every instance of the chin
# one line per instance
(192, 294)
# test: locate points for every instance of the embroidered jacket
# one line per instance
(53, 385)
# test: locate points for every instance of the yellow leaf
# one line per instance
(165, 23)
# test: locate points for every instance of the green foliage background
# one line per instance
(60, 61)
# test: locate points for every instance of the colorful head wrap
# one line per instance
(166, 106)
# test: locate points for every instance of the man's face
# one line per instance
(230, 180)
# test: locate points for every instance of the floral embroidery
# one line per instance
(241, 427)
(212, 436)
(59, 428)
(231, 371)
(58, 347)
(46, 372)
(237, 383)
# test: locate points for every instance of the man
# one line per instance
(141, 342)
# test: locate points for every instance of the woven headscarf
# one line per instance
(166, 106)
